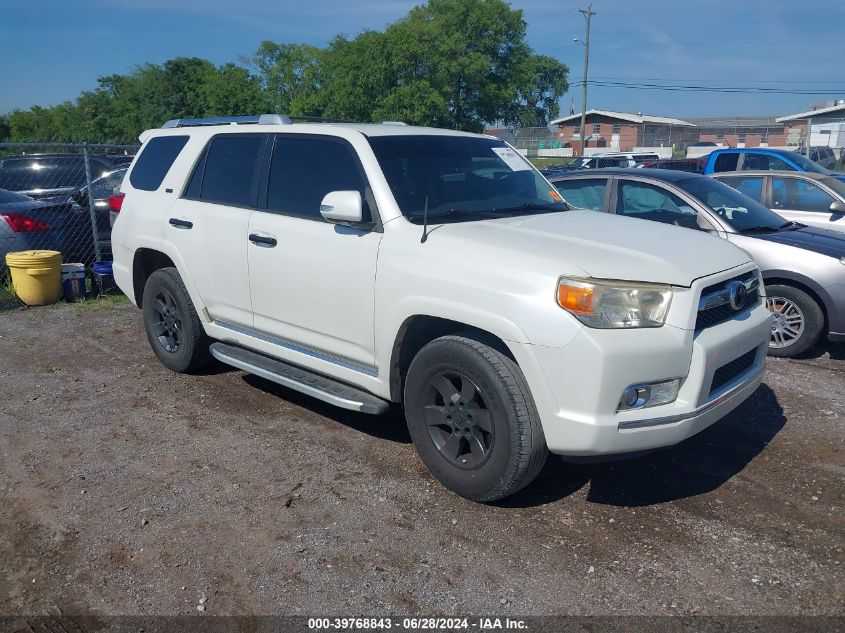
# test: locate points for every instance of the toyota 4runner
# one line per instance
(368, 264)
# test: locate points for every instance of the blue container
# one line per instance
(73, 281)
(103, 278)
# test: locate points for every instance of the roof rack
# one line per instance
(260, 119)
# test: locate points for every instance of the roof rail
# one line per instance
(393, 123)
(260, 119)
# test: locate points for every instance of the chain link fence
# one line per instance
(696, 138)
(54, 196)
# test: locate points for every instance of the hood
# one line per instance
(607, 246)
(818, 240)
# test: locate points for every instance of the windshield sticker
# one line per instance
(511, 158)
(555, 195)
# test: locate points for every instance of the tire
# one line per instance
(478, 432)
(172, 325)
(798, 323)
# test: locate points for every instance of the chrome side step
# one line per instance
(299, 379)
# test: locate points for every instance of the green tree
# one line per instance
(289, 75)
(231, 90)
(541, 84)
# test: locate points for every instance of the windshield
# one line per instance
(805, 163)
(733, 207)
(461, 177)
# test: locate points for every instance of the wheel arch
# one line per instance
(420, 329)
(145, 262)
(786, 278)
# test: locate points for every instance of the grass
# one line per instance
(541, 163)
(102, 302)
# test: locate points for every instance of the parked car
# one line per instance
(694, 165)
(103, 187)
(32, 224)
(803, 267)
(369, 264)
(762, 159)
(612, 159)
(52, 176)
(806, 197)
(823, 156)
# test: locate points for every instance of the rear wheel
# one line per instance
(797, 323)
(172, 324)
(472, 418)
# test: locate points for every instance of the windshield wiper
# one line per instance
(527, 207)
(759, 229)
(449, 213)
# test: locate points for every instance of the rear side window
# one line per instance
(726, 162)
(304, 169)
(155, 161)
(226, 173)
(583, 193)
(751, 187)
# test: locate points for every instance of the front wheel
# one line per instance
(797, 323)
(472, 418)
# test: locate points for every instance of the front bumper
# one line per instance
(577, 388)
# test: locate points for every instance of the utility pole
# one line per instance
(588, 13)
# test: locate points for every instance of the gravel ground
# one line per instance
(128, 489)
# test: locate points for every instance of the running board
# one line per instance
(299, 379)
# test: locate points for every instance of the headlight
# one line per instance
(614, 304)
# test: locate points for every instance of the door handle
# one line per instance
(262, 240)
(181, 224)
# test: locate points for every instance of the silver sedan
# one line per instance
(803, 267)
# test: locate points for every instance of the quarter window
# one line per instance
(649, 202)
(304, 169)
(155, 161)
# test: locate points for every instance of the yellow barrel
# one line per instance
(36, 276)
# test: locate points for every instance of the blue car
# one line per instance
(761, 158)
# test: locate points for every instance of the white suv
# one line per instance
(373, 264)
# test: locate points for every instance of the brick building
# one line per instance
(620, 131)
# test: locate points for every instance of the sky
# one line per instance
(54, 49)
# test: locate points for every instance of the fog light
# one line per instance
(649, 394)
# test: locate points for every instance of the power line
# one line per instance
(722, 89)
(743, 81)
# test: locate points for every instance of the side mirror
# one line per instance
(837, 207)
(342, 207)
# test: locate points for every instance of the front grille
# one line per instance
(731, 370)
(710, 316)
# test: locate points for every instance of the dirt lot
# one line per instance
(127, 489)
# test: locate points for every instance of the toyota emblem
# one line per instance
(738, 294)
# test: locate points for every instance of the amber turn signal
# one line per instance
(576, 299)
